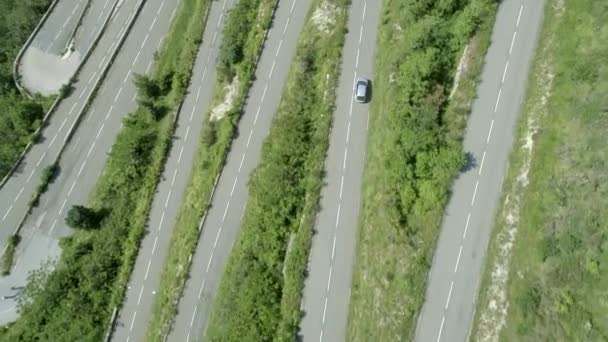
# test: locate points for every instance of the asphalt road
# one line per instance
(454, 278)
(327, 288)
(223, 221)
(45, 66)
(132, 323)
(86, 152)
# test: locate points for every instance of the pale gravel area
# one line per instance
(45, 73)
(324, 17)
(231, 91)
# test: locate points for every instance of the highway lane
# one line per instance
(223, 220)
(327, 288)
(454, 278)
(45, 66)
(133, 320)
(86, 153)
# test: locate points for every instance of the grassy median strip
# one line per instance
(20, 116)
(414, 151)
(546, 277)
(73, 300)
(260, 293)
(236, 66)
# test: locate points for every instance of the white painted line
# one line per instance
(18, 195)
(62, 124)
(360, 34)
(490, 131)
(30, 176)
(92, 76)
(279, 48)
(179, 160)
(242, 160)
(160, 223)
(474, 192)
(345, 155)
(329, 278)
(140, 293)
(357, 61)
(209, 263)
(249, 139)
(364, 8)
(214, 37)
(272, 69)
(338, 216)
(320, 336)
(41, 157)
(466, 226)
(144, 41)
(133, 321)
(72, 109)
(109, 112)
(497, 100)
(200, 291)
(72, 188)
(82, 93)
(458, 259)
(186, 135)
(293, 4)
(234, 186)
(82, 167)
(117, 94)
(341, 186)
(447, 302)
(255, 120)
(62, 206)
(173, 180)
(504, 73)
(147, 269)
(136, 57)
(8, 211)
(99, 132)
(154, 246)
(348, 132)
(324, 309)
(91, 149)
(521, 8)
(333, 248)
(160, 8)
(168, 197)
(127, 77)
(226, 211)
(153, 22)
(217, 237)
(512, 42)
(53, 226)
(483, 158)
(193, 315)
(440, 329)
(264, 93)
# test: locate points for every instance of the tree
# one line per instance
(82, 217)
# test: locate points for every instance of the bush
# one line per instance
(80, 217)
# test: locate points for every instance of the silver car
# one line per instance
(361, 90)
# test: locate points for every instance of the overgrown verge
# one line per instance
(545, 278)
(414, 152)
(20, 116)
(236, 67)
(261, 290)
(73, 299)
(9, 254)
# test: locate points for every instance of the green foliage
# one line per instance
(414, 152)
(9, 254)
(557, 279)
(240, 20)
(215, 143)
(21, 116)
(73, 299)
(261, 290)
(81, 217)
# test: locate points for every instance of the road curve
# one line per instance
(86, 152)
(223, 221)
(132, 323)
(332, 256)
(45, 66)
(454, 278)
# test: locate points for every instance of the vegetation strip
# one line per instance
(545, 278)
(414, 152)
(237, 62)
(75, 299)
(260, 292)
(22, 116)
